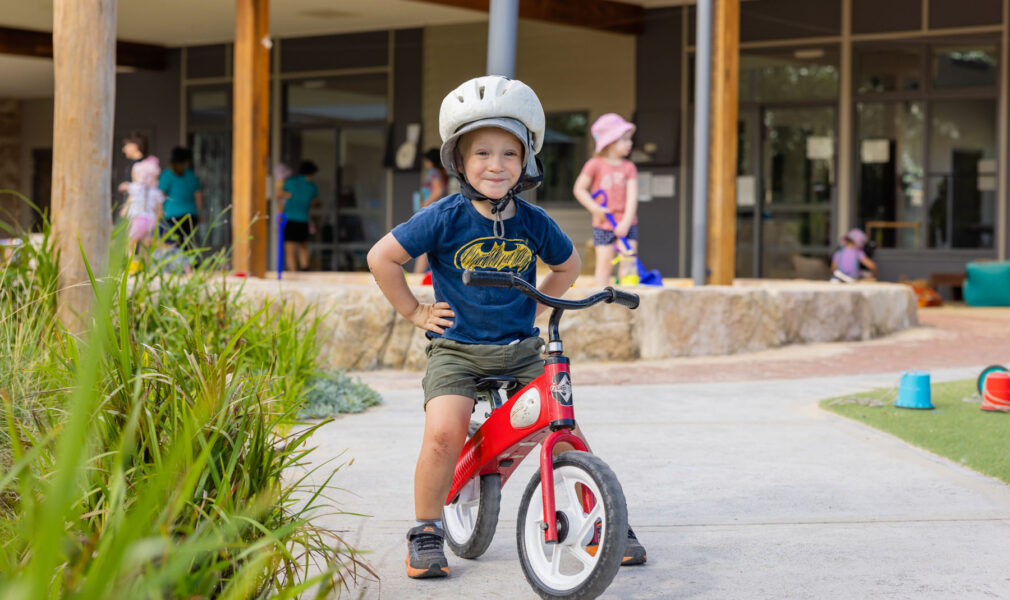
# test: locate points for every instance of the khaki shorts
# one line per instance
(455, 367)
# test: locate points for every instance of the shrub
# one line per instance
(148, 460)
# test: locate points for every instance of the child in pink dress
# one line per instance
(143, 204)
(610, 170)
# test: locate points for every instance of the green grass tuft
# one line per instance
(155, 457)
(956, 429)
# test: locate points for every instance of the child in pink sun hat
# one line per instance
(611, 171)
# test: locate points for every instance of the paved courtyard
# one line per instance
(737, 483)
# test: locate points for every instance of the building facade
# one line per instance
(888, 115)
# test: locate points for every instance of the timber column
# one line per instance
(723, 144)
(251, 136)
(84, 66)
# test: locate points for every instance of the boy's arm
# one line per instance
(581, 192)
(561, 277)
(385, 260)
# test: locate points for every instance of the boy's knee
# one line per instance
(446, 440)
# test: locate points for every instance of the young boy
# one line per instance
(491, 129)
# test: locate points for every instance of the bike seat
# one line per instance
(497, 382)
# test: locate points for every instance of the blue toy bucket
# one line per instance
(913, 390)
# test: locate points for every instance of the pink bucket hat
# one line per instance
(608, 129)
(856, 236)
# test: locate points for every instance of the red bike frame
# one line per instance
(498, 447)
(500, 444)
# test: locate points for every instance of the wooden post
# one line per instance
(84, 59)
(723, 142)
(250, 137)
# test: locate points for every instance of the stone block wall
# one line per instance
(361, 331)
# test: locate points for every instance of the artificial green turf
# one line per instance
(956, 429)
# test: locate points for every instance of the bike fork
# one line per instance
(547, 478)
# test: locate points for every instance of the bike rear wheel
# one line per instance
(566, 569)
(980, 382)
(470, 521)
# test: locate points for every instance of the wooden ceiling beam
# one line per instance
(39, 44)
(593, 14)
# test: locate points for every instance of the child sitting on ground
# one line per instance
(847, 261)
(491, 129)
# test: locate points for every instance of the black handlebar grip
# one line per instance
(625, 299)
(488, 278)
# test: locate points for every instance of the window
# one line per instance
(926, 123)
(565, 150)
(962, 174)
(891, 170)
(792, 74)
(326, 100)
(888, 69)
(964, 66)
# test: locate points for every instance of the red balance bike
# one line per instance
(573, 521)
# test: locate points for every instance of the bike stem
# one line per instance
(547, 478)
(553, 332)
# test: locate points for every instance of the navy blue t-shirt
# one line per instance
(456, 237)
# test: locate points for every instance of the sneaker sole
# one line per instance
(627, 561)
(430, 572)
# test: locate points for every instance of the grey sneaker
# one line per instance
(634, 552)
(425, 557)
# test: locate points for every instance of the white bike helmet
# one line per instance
(493, 101)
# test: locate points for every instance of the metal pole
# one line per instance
(503, 18)
(702, 79)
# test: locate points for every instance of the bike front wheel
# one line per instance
(592, 529)
(470, 521)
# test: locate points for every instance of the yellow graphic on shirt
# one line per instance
(495, 253)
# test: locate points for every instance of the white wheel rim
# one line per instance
(460, 517)
(565, 565)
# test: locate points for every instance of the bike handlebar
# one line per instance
(510, 280)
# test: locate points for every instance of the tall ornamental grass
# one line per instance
(147, 459)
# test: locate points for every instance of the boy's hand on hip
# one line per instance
(432, 317)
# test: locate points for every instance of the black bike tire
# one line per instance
(980, 382)
(615, 537)
(485, 524)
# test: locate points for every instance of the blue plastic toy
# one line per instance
(282, 220)
(645, 277)
(913, 390)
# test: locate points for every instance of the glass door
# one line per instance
(798, 181)
(318, 145)
(339, 123)
(350, 212)
(361, 206)
(748, 198)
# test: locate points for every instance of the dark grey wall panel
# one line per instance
(206, 61)
(959, 13)
(346, 51)
(407, 88)
(148, 101)
(895, 265)
(874, 16)
(657, 115)
(777, 19)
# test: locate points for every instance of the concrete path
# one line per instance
(738, 490)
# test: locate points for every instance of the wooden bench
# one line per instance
(955, 281)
